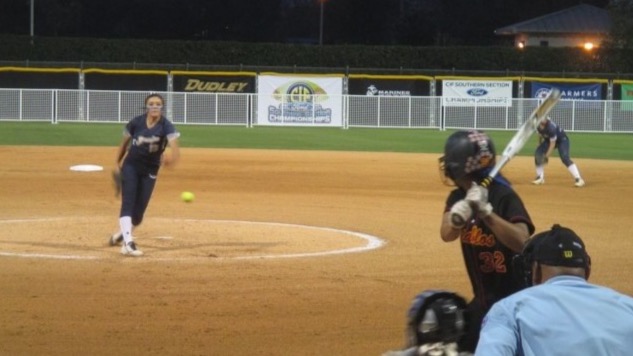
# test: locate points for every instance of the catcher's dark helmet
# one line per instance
(435, 316)
(465, 153)
(559, 246)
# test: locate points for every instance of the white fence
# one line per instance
(56, 105)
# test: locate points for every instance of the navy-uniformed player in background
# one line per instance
(494, 224)
(551, 137)
(139, 158)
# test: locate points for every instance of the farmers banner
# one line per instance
(591, 91)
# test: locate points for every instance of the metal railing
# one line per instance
(57, 105)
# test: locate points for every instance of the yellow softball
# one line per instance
(187, 197)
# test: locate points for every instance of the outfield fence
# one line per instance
(345, 111)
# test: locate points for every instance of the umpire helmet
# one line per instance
(559, 246)
(466, 153)
(435, 316)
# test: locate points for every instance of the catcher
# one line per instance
(435, 322)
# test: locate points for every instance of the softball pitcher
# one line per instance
(138, 160)
(553, 137)
(495, 224)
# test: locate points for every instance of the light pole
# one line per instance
(32, 27)
(321, 24)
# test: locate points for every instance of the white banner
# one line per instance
(477, 92)
(293, 100)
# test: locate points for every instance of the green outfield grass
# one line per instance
(583, 145)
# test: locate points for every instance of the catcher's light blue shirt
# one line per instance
(566, 315)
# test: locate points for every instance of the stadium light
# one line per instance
(32, 16)
(321, 23)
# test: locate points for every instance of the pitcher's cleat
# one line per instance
(539, 180)
(579, 182)
(115, 239)
(130, 249)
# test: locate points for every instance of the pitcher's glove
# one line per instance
(117, 182)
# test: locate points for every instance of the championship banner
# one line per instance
(568, 91)
(627, 97)
(477, 93)
(388, 87)
(213, 83)
(309, 101)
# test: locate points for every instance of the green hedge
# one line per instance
(356, 59)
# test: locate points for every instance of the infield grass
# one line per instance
(583, 145)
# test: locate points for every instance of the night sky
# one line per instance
(368, 22)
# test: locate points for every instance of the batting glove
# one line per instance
(461, 212)
(478, 197)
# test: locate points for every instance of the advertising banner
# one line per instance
(125, 80)
(388, 87)
(213, 83)
(290, 100)
(477, 93)
(39, 80)
(569, 91)
(627, 95)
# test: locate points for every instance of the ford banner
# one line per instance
(477, 93)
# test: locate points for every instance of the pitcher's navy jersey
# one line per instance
(550, 131)
(149, 143)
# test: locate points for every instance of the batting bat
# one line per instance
(519, 140)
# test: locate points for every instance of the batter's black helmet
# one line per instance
(435, 316)
(559, 246)
(467, 152)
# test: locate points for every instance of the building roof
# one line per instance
(578, 19)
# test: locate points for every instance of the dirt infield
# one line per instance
(281, 253)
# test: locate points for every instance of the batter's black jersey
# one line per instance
(488, 261)
(148, 143)
(551, 130)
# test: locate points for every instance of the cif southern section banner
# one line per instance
(209, 82)
(388, 85)
(477, 93)
(299, 100)
(569, 91)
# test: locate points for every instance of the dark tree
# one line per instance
(622, 31)
(368, 22)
